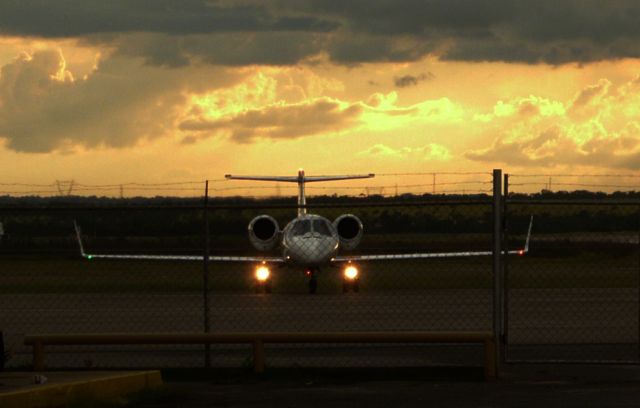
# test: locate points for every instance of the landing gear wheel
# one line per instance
(262, 287)
(350, 285)
(313, 284)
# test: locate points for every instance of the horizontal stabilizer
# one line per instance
(296, 179)
(301, 180)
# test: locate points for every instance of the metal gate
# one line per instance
(575, 297)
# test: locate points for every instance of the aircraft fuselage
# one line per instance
(310, 240)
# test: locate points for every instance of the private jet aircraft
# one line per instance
(309, 241)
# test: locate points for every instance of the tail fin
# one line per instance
(301, 179)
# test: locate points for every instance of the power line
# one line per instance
(575, 175)
(65, 187)
(576, 185)
(444, 173)
(26, 185)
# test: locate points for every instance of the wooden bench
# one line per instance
(259, 339)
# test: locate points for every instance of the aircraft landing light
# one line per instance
(262, 273)
(351, 272)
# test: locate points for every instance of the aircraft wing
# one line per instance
(212, 258)
(419, 255)
(426, 255)
(184, 258)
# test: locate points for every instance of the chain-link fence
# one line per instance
(393, 295)
(575, 296)
(48, 288)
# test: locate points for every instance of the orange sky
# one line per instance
(81, 110)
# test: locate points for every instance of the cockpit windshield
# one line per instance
(301, 227)
(321, 227)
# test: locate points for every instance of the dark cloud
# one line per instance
(347, 48)
(269, 48)
(410, 17)
(590, 93)
(348, 32)
(277, 121)
(72, 18)
(410, 80)
(549, 31)
(42, 108)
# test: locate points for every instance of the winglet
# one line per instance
(526, 243)
(79, 237)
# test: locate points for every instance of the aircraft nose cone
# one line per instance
(312, 249)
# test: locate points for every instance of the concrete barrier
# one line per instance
(63, 392)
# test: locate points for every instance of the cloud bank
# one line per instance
(431, 151)
(279, 121)
(600, 127)
(44, 108)
(286, 32)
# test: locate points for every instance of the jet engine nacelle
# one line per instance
(349, 229)
(264, 232)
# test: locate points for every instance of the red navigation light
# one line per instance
(521, 252)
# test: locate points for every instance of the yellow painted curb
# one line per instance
(56, 395)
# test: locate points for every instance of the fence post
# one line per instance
(205, 274)
(258, 356)
(3, 355)
(497, 267)
(38, 356)
(505, 274)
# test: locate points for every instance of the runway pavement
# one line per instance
(603, 323)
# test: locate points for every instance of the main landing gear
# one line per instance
(348, 285)
(312, 274)
(262, 287)
(263, 279)
(350, 279)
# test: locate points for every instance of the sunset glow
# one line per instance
(315, 86)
